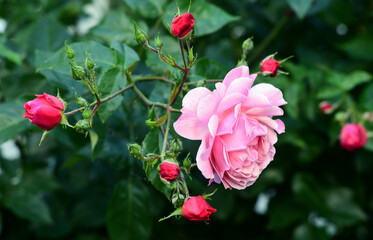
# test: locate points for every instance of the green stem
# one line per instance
(185, 185)
(270, 37)
(162, 56)
(165, 140)
(154, 78)
(185, 70)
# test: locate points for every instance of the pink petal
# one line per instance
(242, 71)
(273, 94)
(203, 157)
(277, 125)
(206, 107)
(240, 85)
(219, 158)
(268, 111)
(256, 100)
(194, 96)
(213, 125)
(230, 101)
(228, 122)
(238, 139)
(188, 126)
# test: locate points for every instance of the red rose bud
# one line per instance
(182, 25)
(45, 111)
(353, 136)
(169, 171)
(197, 209)
(326, 107)
(269, 67)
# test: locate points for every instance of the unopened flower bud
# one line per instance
(341, 116)
(187, 163)
(326, 107)
(368, 116)
(82, 126)
(70, 54)
(140, 35)
(182, 26)
(177, 200)
(201, 83)
(87, 113)
(168, 170)
(77, 72)
(269, 67)
(247, 45)
(158, 42)
(135, 150)
(89, 63)
(176, 145)
(81, 102)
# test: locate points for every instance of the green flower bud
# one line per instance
(87, 113)
(177, 200)
(77, 72)
(89, 63)
(70, 54)
(158, 42)
(247, 45)
(176, 145)
(140, 35)
(177, 77)
(341, 116)
(82, 126)
(201, 83)
(135, 150)
(81, 102)
(187, 163)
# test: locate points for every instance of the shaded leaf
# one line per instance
(9, 54)
(11, 120)
(309, 232)
(125, 56)
(300, 7)
(129, 215)
(27, 206)
(110, 82)
(147, 8)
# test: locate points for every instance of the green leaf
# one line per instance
(209, 18)
(366, 97)
(125, 56)
(11, 120)
(359, 47)
(177, 212)
(27, 206)
(56, 68)
(209, 69)
(342, 210)
(347, 82)
(283, 213)
(110, 82)
(94, 139)
(308, 191)
(309, 232)
(146, 8)
(152, 144)
(129, 214)
(300, 7)
(117, 26)
(329, 92)
(9, 54)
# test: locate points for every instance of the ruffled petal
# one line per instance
(242, 71)
(273, 94)
(188, 126)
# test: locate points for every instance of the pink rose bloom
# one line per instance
(235, 125)
(353, 136)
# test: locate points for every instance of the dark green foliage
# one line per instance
(315, 189)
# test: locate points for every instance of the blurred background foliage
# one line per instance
(72, 187)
